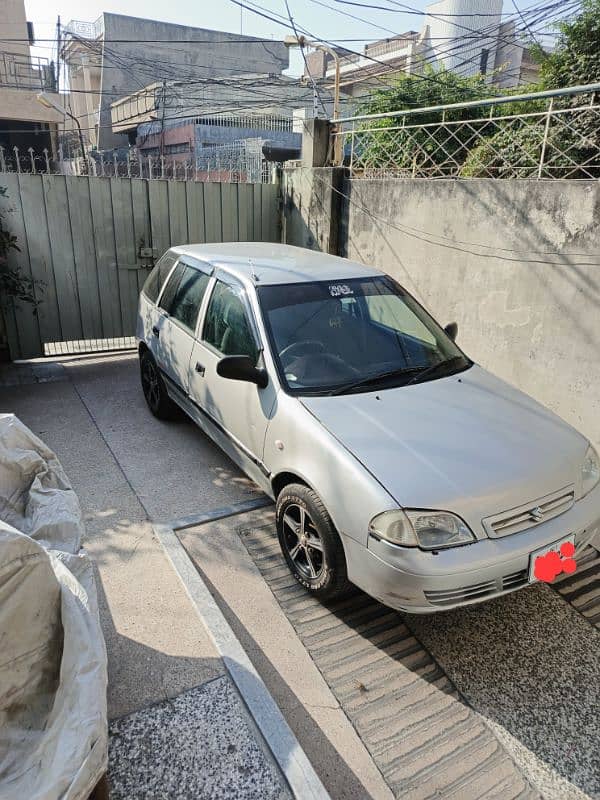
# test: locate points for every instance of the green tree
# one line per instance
(13, 284)
(573, 137)
(576, 57)
(419, 142)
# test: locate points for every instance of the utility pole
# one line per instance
(58, 54)
(162, 118)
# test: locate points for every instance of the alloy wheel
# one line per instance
(302, 542)
(150, 383)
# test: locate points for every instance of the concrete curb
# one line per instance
(299, 773)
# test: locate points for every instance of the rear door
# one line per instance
(148, 314)
(179, 308)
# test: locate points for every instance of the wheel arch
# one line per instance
(287, 477)
(284, 478)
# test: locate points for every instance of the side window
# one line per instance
(226, 326)
(350, 306)
(170, 291)
(155, 280)
(185, 302)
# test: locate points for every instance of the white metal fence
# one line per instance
(236, 162)
(545, 135)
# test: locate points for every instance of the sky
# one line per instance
(317, 16)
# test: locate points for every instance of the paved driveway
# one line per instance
(517, 678)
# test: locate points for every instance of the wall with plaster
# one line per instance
(515, 263)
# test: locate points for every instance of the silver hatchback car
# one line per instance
(396, 463)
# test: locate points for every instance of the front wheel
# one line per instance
(309, 542)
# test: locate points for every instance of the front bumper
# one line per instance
(409, 579)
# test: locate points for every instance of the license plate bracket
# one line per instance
(542, 551)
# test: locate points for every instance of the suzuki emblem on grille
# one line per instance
(536, 514)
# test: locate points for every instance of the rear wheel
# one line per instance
(309, 542)
(155, 391)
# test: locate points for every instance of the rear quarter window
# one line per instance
(154, 281)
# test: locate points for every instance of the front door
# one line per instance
(240, 411)
(179, 307)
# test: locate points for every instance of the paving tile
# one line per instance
(198, 745)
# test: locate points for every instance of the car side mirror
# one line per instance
(451, 330)
(242, 368)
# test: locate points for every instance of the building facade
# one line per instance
(114, 56)
(24, 122)
(218, 125)
(463, 36)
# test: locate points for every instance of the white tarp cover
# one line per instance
(53, 727)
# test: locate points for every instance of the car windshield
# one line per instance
(335, 337)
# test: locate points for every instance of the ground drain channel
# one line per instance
(424, 739)
(582, 588)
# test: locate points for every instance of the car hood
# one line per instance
(468, 443)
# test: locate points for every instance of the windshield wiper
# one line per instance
(440, 366)
(392, 373)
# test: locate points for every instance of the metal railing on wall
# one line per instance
(542, 135)
(26, 72)
(222, 164)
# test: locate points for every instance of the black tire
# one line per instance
(320, 569)
(154, 389)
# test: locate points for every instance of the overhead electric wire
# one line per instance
(488, 33)
(150, 64)
(430, 78)
(315, 88)
(278, 19)
(440, 17)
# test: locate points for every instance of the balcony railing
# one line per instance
(85, 30)
(27, 72)
(386, 51)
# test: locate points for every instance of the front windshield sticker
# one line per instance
(340, 290)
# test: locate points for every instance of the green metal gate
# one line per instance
(88, 243)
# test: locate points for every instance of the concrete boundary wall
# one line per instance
(515, 263)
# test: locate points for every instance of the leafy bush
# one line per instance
(510, 149)
(13, 283)
(387, 145)
(573, 143)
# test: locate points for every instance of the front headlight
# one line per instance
(429, 530)
(590, 471)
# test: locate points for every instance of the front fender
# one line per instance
(297, 443)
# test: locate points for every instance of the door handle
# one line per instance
(200, 369)
(155, 330)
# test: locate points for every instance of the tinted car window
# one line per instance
(170, 291)
(227, 327)
(157, 277)
(327, 335)
(185, 304)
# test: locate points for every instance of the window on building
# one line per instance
(483, 64)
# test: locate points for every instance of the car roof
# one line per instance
(265, 264)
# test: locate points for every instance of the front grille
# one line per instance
(478, 591)
(524, 517)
